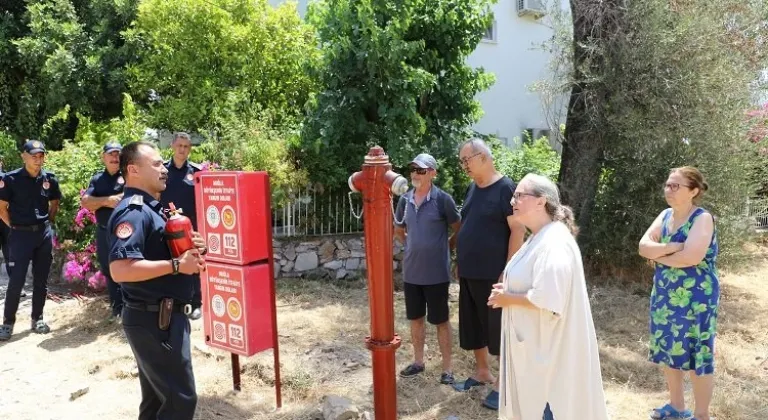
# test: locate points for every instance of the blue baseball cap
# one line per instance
(112, 147)
(33, 147)
(425, 161)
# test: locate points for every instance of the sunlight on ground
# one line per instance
(322, 326)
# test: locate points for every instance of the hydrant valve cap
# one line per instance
(400, 186)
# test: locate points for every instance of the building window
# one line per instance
(490, 33)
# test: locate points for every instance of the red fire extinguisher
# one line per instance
(178, 231)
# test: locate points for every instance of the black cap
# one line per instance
(112, 146)
(33, 147)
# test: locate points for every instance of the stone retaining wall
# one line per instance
(335, 257)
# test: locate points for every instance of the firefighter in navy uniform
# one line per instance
(29, 201)
(157, 289)
(102, 195)
(4, 231)
(180, 191)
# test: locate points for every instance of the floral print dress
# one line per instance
(684, 305)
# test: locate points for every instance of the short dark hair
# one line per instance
(130, 154)
(180, 135)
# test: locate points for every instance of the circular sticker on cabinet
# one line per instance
(228, 217)
(212, 216)
(218, 306)
(234, 309)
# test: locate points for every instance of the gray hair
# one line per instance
(541, 186)
(180, 135)
(478, 146)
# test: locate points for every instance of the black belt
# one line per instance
(183, 308)
(30, 228)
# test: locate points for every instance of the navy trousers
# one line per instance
(548, 413)
(4, 231)
(28, 246)
(102, 251)
(165, 365)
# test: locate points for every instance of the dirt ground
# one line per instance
(321, 328)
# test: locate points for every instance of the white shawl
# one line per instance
(549, 354)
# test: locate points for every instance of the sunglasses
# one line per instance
(420, 171)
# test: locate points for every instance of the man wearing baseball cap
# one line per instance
(422, 219)
(31, 236)
(104, 193)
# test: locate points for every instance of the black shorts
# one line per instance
(429, 300)
(479, 324)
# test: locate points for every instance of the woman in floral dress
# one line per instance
(682, 242)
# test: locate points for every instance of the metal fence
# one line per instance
(318, 214)
(757, 211)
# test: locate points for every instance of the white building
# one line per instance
(511, 51)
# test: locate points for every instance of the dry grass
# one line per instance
(322, 326)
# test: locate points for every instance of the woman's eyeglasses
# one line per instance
(674, 186)
(420, 171)
(518, 195)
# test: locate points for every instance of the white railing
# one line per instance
(318, 214)
(757, 211)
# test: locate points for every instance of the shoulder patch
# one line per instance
(2, 184)
(137, 200)
(124, 230)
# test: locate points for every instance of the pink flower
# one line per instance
(97, 281)
(73, 271)
(91, 248)
(55, 241)
(83, 214)
(209, 166)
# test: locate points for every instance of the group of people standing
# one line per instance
(523, 294)
(522, 291)
(151, 293)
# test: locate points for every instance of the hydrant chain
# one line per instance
(394, 216)
(352, 207)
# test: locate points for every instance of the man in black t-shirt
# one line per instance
(486, 241)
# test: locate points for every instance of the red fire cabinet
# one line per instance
(238, 285)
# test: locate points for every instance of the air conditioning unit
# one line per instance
(533, 8)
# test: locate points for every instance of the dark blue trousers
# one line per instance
(165, 365)
(25, 247)
(102, 251)
(548, 413)
(4, 231)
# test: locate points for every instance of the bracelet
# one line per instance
(175, 264)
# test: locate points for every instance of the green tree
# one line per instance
(393, 73)
(197, 58)
(655, 85)
(62, 53)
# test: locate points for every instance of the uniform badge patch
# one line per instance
(120, 181)
(190, 177)
(2, 184)
(46, 185)
(124, 230)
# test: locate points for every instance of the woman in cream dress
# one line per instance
(550, 367)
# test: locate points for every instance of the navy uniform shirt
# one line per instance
(105, 185)
(137, 231)
(28, 196)
(180, 189)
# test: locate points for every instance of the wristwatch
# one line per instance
(175, 263)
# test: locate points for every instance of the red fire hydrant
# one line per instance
(378, 183)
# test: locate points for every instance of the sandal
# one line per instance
(412, 370)
(447, 378)
(669, 412)
(467, 385)
(40, 327)
(6, 330)
(492, 401)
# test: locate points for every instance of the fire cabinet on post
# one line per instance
(238, 285)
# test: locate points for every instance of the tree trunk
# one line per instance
(594, 23)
